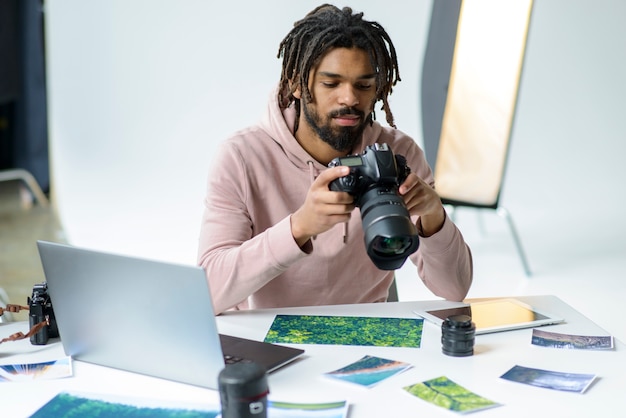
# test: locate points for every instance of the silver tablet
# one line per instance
(495, 315)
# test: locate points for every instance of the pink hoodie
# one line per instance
(259, 177)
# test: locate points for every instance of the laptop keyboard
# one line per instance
(228, 359)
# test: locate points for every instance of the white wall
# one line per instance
(566, 167)
(141, 91)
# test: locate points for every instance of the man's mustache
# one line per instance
(347, 111)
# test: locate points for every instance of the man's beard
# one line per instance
(342, 138)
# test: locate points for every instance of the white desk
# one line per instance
(303, 380)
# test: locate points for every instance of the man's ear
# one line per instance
(297, 93)
(295, 88)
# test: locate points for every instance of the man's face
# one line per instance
(343, 90)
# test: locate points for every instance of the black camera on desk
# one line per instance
(40, 309)
(375, 175)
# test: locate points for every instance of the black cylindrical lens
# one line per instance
(391, 245)
(390, 235)
(457, 336)
(243, 391)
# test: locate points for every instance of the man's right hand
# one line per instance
(322, 208)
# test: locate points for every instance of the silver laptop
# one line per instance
(144, 316)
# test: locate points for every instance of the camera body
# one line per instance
(40, 309)
(376, 166)
(374, 178)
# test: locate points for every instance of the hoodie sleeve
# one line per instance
(226, 242)
(443, 260)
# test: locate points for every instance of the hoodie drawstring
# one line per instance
(311, 179)
(311, 171)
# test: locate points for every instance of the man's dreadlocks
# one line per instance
(328, 27)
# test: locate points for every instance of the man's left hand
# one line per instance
(423, 201)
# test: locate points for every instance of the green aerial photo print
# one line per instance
(346, 330)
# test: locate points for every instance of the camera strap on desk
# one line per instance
(20, 335)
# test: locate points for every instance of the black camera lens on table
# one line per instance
(40, 309)
(243, 390)
(457, 336)
(375, 175)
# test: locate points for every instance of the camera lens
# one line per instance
(390, 235)
(457, 336)
(243, 390)
(391, 246)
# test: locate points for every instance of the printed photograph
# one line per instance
(569, 382)
(446, 394)
(346, 330)
(70, 405)
(54, 369)
(314, 410)
(105, 406)
(579, 342)
(369, 371)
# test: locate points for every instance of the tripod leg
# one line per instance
(518, 244)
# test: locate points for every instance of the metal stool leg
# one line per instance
(393, 292)
(29, 180)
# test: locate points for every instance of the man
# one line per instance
(273, 234)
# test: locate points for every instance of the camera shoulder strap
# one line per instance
(20, 335)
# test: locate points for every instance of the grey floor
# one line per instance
(584, 270)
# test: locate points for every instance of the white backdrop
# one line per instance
(141, 91)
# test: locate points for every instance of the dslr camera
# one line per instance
(40, 309)
(375, 175)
